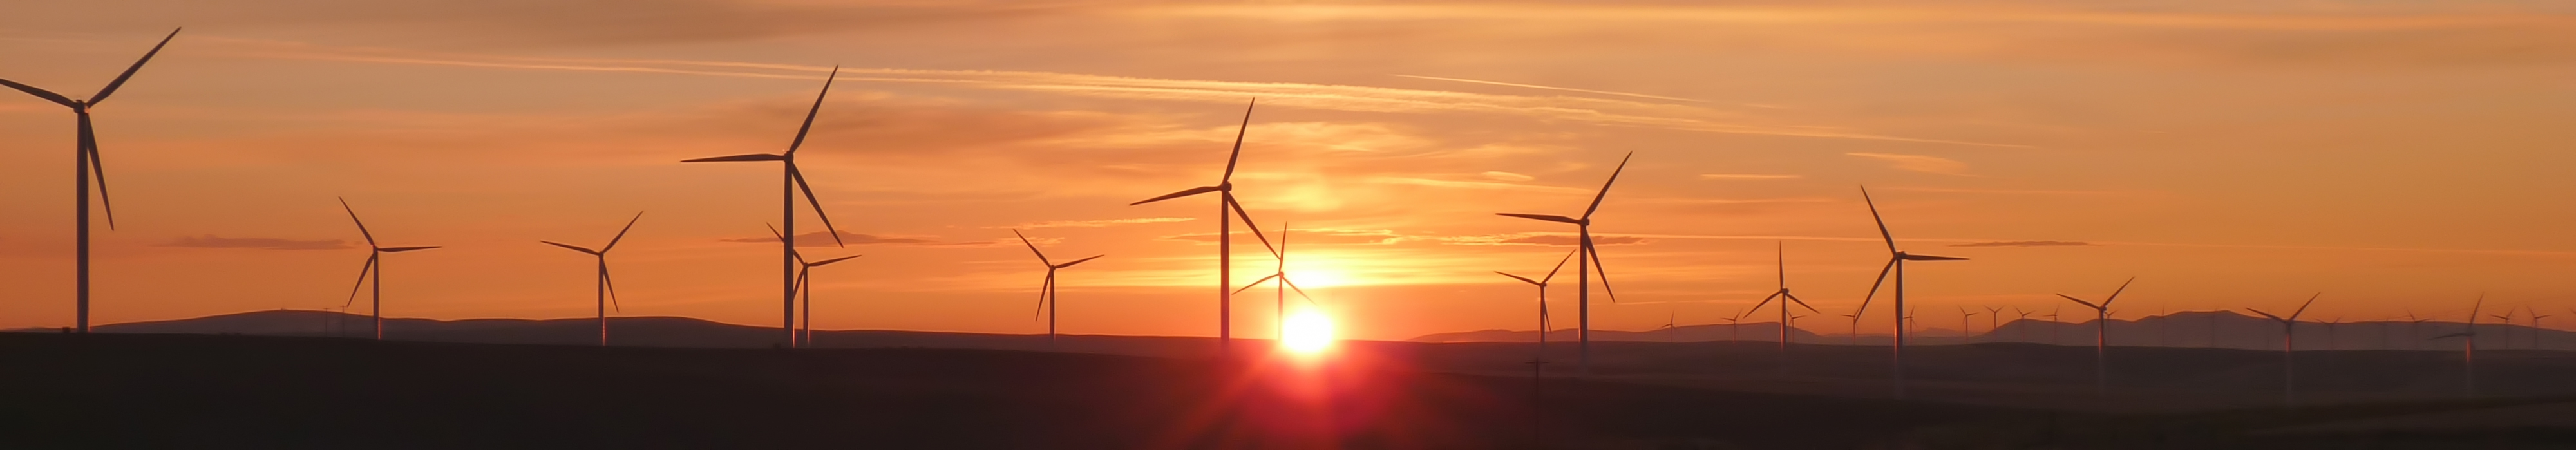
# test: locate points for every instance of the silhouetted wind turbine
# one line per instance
(607, 291)
(805, 288)
(1785, 299)
(2468, 349)
(2056, 329)
(2101, 336)
(2415, 337)
(1280, 281)
(2535, 325)
(376, 268)
(2330, 332)
(1854, 338)
(1046, 292)
(2024, 334)
(86, 162)
(2289, 388)
(1994, 320)
(791, 182)
(1965, 328)
(1589, 259)
(1225, 234)
(2507, 320)
(1895, 264)
(1541, 283)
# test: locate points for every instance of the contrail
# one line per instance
(1553, 88)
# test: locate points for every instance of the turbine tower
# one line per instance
(792, 181)
(2289, 386)
(375, 268)
(1895, 264)
(1541, 283)
(1587, 259)
(1226, 203)
(1279, 279)
(607, 291)
(1046, 292)
(85, 162)
(1785, 299)
(1965, 327)
(2101, 336)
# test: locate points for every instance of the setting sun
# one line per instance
(1307, 332)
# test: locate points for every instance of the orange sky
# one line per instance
(2395, 155)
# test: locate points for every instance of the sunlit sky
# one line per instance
(2397, 155)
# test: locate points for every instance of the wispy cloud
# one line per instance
(1507, 176)
(1309, 236)
(2025, 244)
(1919, 163)
(1746, 176)
(1541, 239)
(213, 241)
(824, 239)
(1097, 223)
(1567, 89)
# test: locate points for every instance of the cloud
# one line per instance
(1919, 163)
(1097, 223)
(1506, 176)
(1307, 236)
(1567, 89)
(2025, 244)
(213, 241)
(1541, 239)
(1746, 176)
(824, 239)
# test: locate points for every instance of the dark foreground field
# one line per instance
(199, 391)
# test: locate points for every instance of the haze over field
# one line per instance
(2399, 156)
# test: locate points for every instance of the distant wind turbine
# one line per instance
(2507, 320)
(1965, 329)
(794, 180)
(1785, 299)
(1226, 203)
(2056, 329)
(2102, 336)
(2331, 340)
(375, 268)
(1589, 258)
(2468, 349)
(1046, 292)
(1895, 264)
(86, 162)
(1994, 320)
(1854, 336)
(606, 290)
(1279, 280)
(2535, 326)
(2022, 334)
(2415, 337)
(1541, 283)
(2289, 386)
(1670, 318)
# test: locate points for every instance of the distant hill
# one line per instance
(2220, 329)
(635, 332)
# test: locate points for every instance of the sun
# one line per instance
(1307, 332)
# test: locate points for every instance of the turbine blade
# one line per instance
(129, 71)
(1551, 273)
(2115, 293)
(829, 261)
(1518, 277)
(1783, 255)
(1256, 283)
(1602, 271)
(1033, 248)
(1248, 223)
(810, 113)
(817, 203)
(573, 247)
(362, 279)
(1766, 300)
(1803, 303)
(621, 232)
(736, 158)
(604, 279)
(2303, 307)
(2266, 315)
(39, 93)
(1079, 261)
(2078, 300)
(1605, 186)
(1550, 218)
(405, 249)
(362, 225)
(1882, 223)
(1043, 290)
(1874, 284)
(100, 169)
(1914, 257)
(1237, 153)
(1301, 292)
(1182, 193)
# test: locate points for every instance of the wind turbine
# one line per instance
(1731, 334)
(1046, 292)
(85, 162)
(1279, 280)
(1854, 337)
(607, 291)
(1225, 234)
(1964, 327)
(1543, 325)
(2468, 349)
(805, 286)
(2535, 325)
(1895, 264)
(792, 181)
(2289, 390)
(1583, 271)
(375, 268)
(2331, 341)
(2507, 320)
(1785, 299)
(1670, 318)
(2412, 324)
(2024, 334)
(2056, 329)
(1994, 319)
(2101, 336)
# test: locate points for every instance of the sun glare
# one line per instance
(1307, 332)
